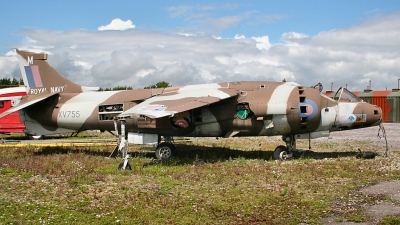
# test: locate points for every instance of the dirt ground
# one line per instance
(381, 209)
(390, 190)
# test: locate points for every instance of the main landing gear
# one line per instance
(165, 150)
(285, 152)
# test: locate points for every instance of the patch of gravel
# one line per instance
(371, 134)
(390, 190)
(381, 208)
(335, 221)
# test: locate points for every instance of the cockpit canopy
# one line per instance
(344, 95)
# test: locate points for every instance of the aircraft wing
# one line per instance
(25, 102)
(185, 98)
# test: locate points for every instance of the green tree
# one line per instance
(7, 82)
(161, 84)
(117, 88)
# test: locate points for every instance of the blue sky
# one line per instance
(187, 42)
(272, 18)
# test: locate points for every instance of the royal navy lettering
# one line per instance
(57, 89)
(37, 91)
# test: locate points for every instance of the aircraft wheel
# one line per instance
(283, 156)
(35, 137)
(127, 167)
(165, 151)
(280, 153)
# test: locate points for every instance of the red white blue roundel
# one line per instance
(308, 109)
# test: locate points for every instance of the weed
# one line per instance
(358, 218)
(9, 172)
(391, 220)
(339, 220)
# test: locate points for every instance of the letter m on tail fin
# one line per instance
(30, 59)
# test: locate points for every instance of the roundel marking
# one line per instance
(308, 109)
(351, 118)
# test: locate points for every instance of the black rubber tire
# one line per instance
(165, 151)
(35, 137)
(278, 151)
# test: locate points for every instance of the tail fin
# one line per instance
(39, 77)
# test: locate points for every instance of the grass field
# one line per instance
(225, 181)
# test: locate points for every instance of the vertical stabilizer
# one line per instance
(40, 78)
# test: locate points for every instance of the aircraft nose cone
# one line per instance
(373, 115)
(377, 117)
(363, 115)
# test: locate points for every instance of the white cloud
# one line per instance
(208, 16)
(179, 10)
(144, 72)
(118, 24)
(221, 22)
(293, 35)
(237, 36)
(271, 18)
(138, 58)
(262, 42)
(8, 64)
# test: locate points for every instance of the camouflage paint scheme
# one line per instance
(56, 105)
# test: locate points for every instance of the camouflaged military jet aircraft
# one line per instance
(54, 104)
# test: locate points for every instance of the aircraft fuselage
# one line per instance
(259, 109)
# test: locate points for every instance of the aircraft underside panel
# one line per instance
(207, 130)
(34, 128)
(206, 123)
